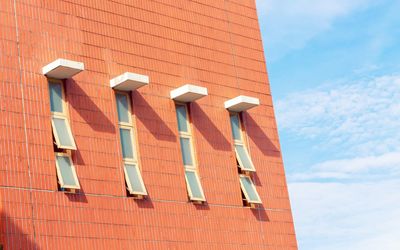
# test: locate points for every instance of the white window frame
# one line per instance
(130, 161)
(130, 129)
(61, 115)
(56, 135)
(241, 143)
(241, 165)
(258, 201)
(60, 177)
(128, 180)
(192, 168)
(245, 172)
(192, 197)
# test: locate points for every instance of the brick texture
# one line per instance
(212, 43)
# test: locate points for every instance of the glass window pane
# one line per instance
(235, 125)
(62, 131)
(186, 151)
(134, 178)
(55, 90)
(244, 157)
(249, 188)
(65, 166)
(181, 115)
(122, 108)
(126, 143)
(194, 185)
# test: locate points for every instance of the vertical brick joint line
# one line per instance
(24, 117)
(231, 44)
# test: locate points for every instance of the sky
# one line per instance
(334, 70)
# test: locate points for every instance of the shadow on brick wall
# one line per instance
(12, 234)
(257, 135)
(207, 128)
(151, 120)
(77, 156)
(79, 196)
(87, 109)
(256, 180)
(144, 203)
(202, 206)
(260, 213)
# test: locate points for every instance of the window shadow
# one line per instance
(87, 109)
(151, 120)
(257, 135)
(256, 180)
(79, 196)
(12, 236)
(146, 202)
(260, 213)
(77, 157)
(207, 128)
(202, 206)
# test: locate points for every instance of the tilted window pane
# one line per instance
(235, 125)
(194, 185)
(134, 178)
(126, 143)
(65, 166)
(181, 115)
(63, 132)
(244, 157)
(249, 189)
(186, 151)
(56, 103)
(122, 108)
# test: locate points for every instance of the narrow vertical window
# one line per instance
(249, 190)
(66, 174)
(242, 155)
(245, 164)
(193, 184)
(59, 120)
(133, 177)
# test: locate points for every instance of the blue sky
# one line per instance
(334, 69)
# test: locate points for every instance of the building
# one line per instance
(142, 124)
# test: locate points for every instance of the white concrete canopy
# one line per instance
(129, 81)
(62, 68)
(241, 103)
(188, 93)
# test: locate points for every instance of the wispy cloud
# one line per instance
(291, 24)
(347, 199)
(347, 216)
(361, 117)
(385, 166)
(361, 164)
(341, 139)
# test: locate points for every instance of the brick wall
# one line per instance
(212, 43)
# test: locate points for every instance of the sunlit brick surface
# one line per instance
(211, 43)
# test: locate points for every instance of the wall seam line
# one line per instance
(24, 118)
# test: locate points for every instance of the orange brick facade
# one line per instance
(212, 43)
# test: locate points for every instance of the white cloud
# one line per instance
(360, 118)
(355, 216)
(385, 166)
(349, 198)
(291, 24)
(361, 164)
